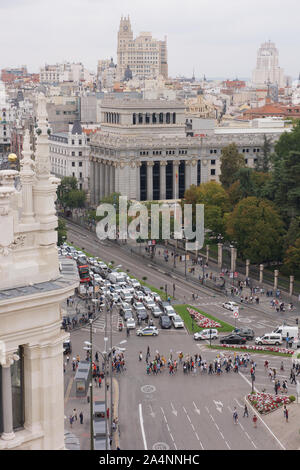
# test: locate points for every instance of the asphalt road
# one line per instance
(181, 412)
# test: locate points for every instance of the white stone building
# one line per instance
(142, 150)
(267, 66)
(65, 72)
(31, 290)
(145, 56)
(69, 154)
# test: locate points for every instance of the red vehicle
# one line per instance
(84, 273)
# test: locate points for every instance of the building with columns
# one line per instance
(142, 150)
(32, 286)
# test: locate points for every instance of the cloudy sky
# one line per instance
(217, 37)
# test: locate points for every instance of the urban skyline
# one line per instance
(205, 38)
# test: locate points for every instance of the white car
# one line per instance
(169, 310)
(97, 278)
(177, 322)
(205, 334)
(130, 323)
(149, 302)
(148, 331)
(156, 297)
(135, 283)
(230, 305)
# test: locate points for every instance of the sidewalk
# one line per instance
(287, 433)
(83, 431)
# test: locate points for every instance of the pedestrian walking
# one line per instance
(71, 420)
(254, 419)
(75, 414)
(245, 412)
(99, 382)
(140, 356)
(81, 417)
(235, 416)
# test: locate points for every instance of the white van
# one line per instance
(269, 339)
(292, 331)
(116, 277)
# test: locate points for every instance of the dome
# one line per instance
(12, 157)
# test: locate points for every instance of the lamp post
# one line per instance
(105, 356)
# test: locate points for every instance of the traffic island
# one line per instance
(196, 320)
(273, 351)
(265, 403)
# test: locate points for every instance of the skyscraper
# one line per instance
(267, 68)
(145, 56)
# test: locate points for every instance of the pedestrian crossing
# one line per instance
(99, 324)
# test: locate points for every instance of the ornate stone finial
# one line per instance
(27, 164)
(42, 143)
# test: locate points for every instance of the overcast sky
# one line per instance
(217, 37)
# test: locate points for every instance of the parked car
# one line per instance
(135, 283)
(248, 333)
(169, 310)
(269, 339)
(147, 331)
(165, 321)
(155, 297)
(146, 290)
(130, 323)
(177, 321)
(156, 311)
(230, 305)
(206, 334)
(233, 338)
(148, 302)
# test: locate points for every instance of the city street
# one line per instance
(181, 411)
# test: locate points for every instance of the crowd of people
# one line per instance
(194, 363)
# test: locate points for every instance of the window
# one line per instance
(213, 172)
(213, 162)
(80, 163)
(80, 154)
(73, 163)
(80, 141)
(246, 161)
(80, 175)
(73, 154)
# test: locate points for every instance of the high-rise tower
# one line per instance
(267, 68)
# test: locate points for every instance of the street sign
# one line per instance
(236, 314)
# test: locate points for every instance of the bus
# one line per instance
(84, 273)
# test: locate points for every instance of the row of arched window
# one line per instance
(112, 118)
(153, 118)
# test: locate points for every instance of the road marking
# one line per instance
(241, 406)
(173, 409)
(142, 426)
(151, 412)
(68, 391)
(196, 409)
(193, 427)
(168, 427)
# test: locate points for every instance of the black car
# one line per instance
(67, 347)
(245, 332)
(233, 338)
(165, 321)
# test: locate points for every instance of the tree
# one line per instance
(69, 195)
(287, 192)
(263, 158)
(292, 234)
(231, 162)
(248, 183)
(292, 258)
(257, 228)
(216, 203)
(61, 232)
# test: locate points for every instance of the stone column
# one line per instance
(261, 272)
(220, 254)
(207, 253)
(188, 169)
(276, 272)
(247, 267)
(150, 181)
(92, 181)
(233, 259)
(97, 181)
(194, 172)
(138, 181)
(162, 189)
(175, 179)
(108, 178)
(105, 186)
(8, 432)
(291, 285)
(112, 177)
(102, 180)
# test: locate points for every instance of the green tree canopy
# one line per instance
(263, 157)
(257, 228)
(61, 232)
(231, 162)
(69, 195)
(292, 258)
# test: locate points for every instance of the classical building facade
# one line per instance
(267, 66)
(69, 154)
(142, 150)
(145, 56)
(32, 286)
